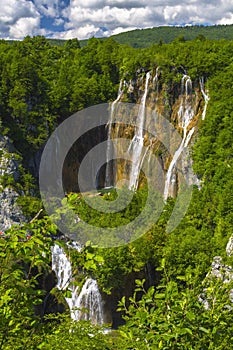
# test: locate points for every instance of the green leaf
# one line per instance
(204, 330)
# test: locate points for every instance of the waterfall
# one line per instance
(108, 174)
(156, 82)
(84, 304)
(206, 98)
(136, 145)
(87, 305)
(185, 115)
(62, 267)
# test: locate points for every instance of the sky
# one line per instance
(82, 19)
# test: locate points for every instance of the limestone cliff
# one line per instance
(182, 103)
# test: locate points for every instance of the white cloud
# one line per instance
(114, 14)
(18, 18)
(87, 18)
(226, 20)
(121, 30)
(81, 32)
(58, 21)
(48, 7)
(24, 27)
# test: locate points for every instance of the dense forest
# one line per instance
(41, 84)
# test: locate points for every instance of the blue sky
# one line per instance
(67, 19)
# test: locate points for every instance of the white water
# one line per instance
(185, 115)
(87, 305)
(156, 82)
(206, 98)
(62, 267)
(84, 304)
(136, 145)
(108, 175)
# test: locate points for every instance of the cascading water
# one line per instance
(87, 305)
(185, 115)
(156, 82)
(108, 174)
(206, 98)
(136, 145)
(84, 304)
(62, 267)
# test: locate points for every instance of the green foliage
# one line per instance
(170, 317)
(24, 256)
(66, 334)
(29, 205)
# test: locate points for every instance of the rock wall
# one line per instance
(180, 102)
(10, 212)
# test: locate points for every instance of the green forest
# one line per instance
(41, 84)
(165, 34)
(142, 38)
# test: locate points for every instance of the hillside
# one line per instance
(146, 37)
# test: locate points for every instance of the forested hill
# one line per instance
(165, 34)
(141, 38)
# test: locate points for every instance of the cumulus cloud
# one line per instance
(18, 18)
(84, 19)
(118, 15)
(24, 27)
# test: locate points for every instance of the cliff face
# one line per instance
(168, 115)
(158, 125)
(10, 213)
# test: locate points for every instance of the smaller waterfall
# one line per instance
(136, 145)
(84, 304)
(62, 267)
(185, 115)
(206, 98)
(156, 82)
(108, 173)
(87, 305)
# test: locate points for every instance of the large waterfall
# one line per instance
(185, 116)
(109, 176)
(85, 303)
(136, 145)
(183, 112)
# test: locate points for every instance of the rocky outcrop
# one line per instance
(10, 213)
(9, 166)
(220, 271)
